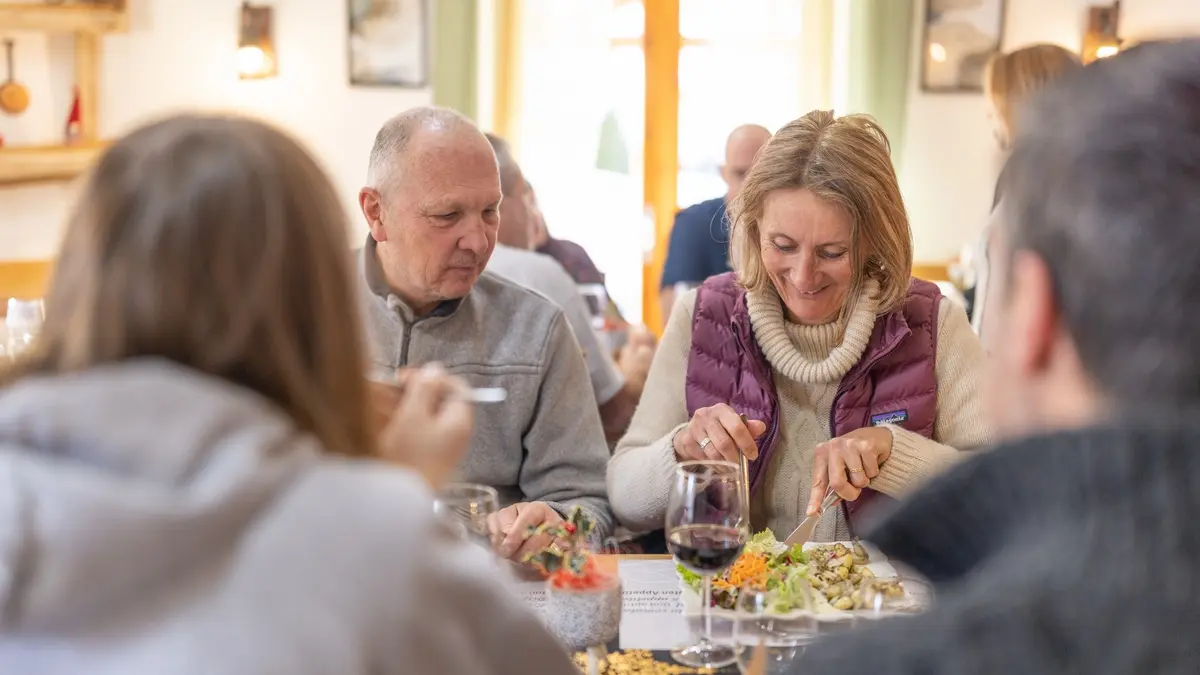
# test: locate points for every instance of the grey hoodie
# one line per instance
(154, 520)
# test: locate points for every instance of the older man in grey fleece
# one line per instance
(432, 205)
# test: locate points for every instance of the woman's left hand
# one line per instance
(848, 463)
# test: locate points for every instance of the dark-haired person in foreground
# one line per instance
(1075, 546)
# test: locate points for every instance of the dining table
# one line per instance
(653, 611)
(632, 662)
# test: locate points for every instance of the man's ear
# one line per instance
(371, 203)
(1033, 311)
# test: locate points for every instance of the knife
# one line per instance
(804, 532)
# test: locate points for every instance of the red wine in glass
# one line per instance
(706, 549)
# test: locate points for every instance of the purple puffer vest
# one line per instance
(894, 382)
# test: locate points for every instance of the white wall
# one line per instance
(179, 55)
(951, 161)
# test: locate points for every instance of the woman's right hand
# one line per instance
(430, 425)
(717, 432)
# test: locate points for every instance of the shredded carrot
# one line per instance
(749, 568)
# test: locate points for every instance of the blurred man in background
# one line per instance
(699, 246)
(617, 385)
(576, 261)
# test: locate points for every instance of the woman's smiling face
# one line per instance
(807, 250)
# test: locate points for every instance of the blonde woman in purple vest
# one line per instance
(853, 376)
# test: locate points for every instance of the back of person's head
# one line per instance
(217, 243)
(518, 227)
(1012, 77)
(1103, 188)
(511, 179)
(845, 161)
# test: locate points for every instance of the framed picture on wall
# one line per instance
(389, 43)
(958, 39)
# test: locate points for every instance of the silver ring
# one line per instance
(704, 443)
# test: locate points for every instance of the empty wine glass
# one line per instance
(779, 638)
(705, 534)
(466, 507)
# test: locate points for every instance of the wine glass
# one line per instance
(22, 323)
(705, 533)
(466, 507)
(779, 639)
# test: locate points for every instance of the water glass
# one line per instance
(782, 639)
(466, 507)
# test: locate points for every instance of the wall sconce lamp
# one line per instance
(256, 47)
(1102, 38)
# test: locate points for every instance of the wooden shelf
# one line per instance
(39, 164)
(64, 19)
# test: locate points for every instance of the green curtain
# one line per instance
(454, 71)
(880, 51)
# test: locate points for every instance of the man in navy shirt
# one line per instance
(699, 246)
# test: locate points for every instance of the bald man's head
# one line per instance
(741, 149)
(389, 152)
(433, 205)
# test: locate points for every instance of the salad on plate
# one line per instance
(821, 578)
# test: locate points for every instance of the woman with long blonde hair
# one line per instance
(187, 452)
(1013, 77)
(1010, 81)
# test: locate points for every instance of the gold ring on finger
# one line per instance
(850, 470)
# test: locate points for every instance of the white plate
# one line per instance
(878, 564)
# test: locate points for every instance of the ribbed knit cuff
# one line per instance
(665, 452)
(914, 460)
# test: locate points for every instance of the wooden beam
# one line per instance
(19, 166)
(24, 279)
(817, 46)
(507, 75)
(662, 44)
(932, 271)
(63, 19)
(87, 78)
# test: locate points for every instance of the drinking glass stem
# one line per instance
(706, 636)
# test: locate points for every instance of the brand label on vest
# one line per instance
(895, 417)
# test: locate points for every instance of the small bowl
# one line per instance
(582, 619)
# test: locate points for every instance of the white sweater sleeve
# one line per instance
(641, 469)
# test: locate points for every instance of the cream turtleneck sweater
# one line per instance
(808, 363)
